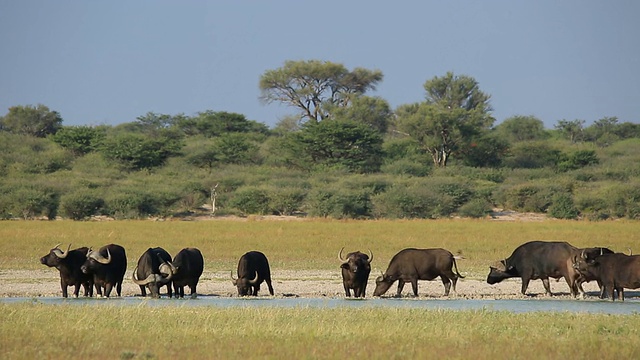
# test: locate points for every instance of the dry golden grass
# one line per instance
(308, 244)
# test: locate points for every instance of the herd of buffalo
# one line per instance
(105, 268)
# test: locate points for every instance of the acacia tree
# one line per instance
(36, 121)
(313, 86)
(572, 130)
(454, 114)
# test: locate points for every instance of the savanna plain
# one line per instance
(304, 262)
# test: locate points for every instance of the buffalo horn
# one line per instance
(630, 252)
(150, 279)
(254, 280)
(582, 255)
(172, 268)
(101, 259)
(601, 251)
(168, 269)
(370, 256)
(233, 280)
(61, 254)
(340, 255)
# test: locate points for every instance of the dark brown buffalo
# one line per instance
(154, 270)
(189, 265)
(253, 269)
(538, 260)
(614, 271)
(590, 254)
(355, 272)
(107, 265)
(68, 264)
(411, 265)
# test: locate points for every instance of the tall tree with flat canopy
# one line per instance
(454, 114)
(314, 86)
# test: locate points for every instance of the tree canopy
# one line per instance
(454, 114)
(312, 86)
(36, 121)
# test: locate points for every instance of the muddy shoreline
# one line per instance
(304, 284)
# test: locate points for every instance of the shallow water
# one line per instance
(630, 306)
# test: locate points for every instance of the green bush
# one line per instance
(412, 201)
(286, 201)
(475, 208)
(340, 203)
(563, 207)
(80, 204)
(250, 200)
(28, 201)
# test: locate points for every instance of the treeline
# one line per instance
(348, 156)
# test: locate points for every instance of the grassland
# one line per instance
(35, 330)
(307, 244)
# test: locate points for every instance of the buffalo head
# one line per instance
(244, 285)
(500, 271)
(356, 261)
(52, 259)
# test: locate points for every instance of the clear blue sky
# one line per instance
(108, 62)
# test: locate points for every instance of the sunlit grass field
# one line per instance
(34, 330)
(307, 244)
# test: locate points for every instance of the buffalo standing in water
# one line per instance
(355, 272)
(154, 270)
(189, 265)
(411, 265)
(253, 269)
(69, 265)
(539, 260)
(107, 266)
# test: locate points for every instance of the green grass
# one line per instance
(34, 330)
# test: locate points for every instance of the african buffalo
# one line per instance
(615, 271)
(411, 265)
(189, 265)
(538, 260)
(253, 269)
(355, 272)
(154, 270)
(590, 254)
(68, 264)
(107, 265)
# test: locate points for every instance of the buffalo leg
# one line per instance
(98, 290)
(107, 289)
(268, 281)
(414, 286)
(400, 287)
(169, 292)
(63, 286)
(143, 290)
(547, 286)
(76, 289)
(525, 285)
(193, 290)
(447, 285)
(347, 291)
(119, 288)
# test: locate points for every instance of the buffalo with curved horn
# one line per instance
(356, 268)
(154, 270)
(253, 269)
(107, 266)
(69, 265)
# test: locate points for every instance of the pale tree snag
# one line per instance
(213, 199)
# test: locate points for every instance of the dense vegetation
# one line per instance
(342, 155)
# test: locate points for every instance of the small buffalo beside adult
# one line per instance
(411, 265)
(253, 269)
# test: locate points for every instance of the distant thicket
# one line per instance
(344, 156)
